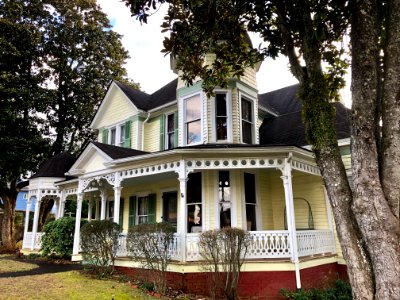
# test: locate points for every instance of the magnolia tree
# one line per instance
(308, 33)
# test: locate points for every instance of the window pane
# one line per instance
(193, 130)
(194, 188)
(249, 188)
(193, 108)
(142, 206)
(171, 140)
(224, 199)
(251, 217)
(170, 123)
(246, 110)
(222, 132)
(247, 132)
(221, 104)
(194, 218)
(142, 220)
(122, 134)
(113, 136)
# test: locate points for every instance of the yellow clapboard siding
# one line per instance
(117, 109)
(152, 135)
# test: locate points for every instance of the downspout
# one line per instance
(144, 122)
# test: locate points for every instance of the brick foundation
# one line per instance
(252, 285)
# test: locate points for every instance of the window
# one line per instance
(142, 209)
(224, 195)
(250, 198)
(247, 121)
(170, 131)
(119, 135)
(113, 134)
(170, 207)
(221, 117)
(193, 119)
(194, 202)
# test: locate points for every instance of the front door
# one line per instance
(170, 207)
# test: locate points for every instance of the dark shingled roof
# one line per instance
(145, 101)
(116, 152)
(56, 166)
(288, 128)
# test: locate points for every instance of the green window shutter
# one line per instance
(176, 129)
(121, 212)
(151, 217)
(132, 211)
(162, 132)
(127, 140)
(104, 136)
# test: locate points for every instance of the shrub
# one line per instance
(341, 291)
(99, 243)
(224, 251)
(148, 244)
(58, 238)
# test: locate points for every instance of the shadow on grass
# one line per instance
(44, 267)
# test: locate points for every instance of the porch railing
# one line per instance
(312, 242)
(27, 242)
(264, 244)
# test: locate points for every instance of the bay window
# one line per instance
(221, 117)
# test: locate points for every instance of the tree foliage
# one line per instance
(57, 59)
(310, 34)
(58, 238)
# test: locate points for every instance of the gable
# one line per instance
(116, 107)
(92, 159)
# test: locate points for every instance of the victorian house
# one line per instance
(236, 159)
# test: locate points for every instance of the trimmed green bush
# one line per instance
(341, 291)
(99, 243)
(58, 238)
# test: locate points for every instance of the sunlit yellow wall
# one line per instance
(152, 135)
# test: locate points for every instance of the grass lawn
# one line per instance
(65, 285)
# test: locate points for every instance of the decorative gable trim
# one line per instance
(100, 111)
(90, 150)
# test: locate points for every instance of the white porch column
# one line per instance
(117, 200)
(182, 214)
(27, 212)
(103, 204)
(77, 234)
(291, 222)
(61, 209)
(90, 206)
(97, 213)
(35, 220)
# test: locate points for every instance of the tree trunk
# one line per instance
(7, 235)
(379, 226)
(45, 209)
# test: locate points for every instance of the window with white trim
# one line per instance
(194, 203)
(142, 210)
(170, 131)
(224, 195)
(247, 119)
(193, 119)
(116, 135)
(221, 116)
(250, 200)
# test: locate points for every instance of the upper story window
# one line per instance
(247, 120)
(118, 135)
(221, 117)
(193, 119)
(170, 134)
